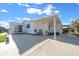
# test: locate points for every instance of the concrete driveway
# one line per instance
(23, 44)
(64, 45)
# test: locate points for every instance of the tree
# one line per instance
(75, 26)
(2, 29)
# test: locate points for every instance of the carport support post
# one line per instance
(54, 28)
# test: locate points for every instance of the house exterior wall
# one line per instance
(58, 24)
(41, 24)
(14, 27)
(42, 27)
(28, 30)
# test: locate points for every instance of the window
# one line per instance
(28, 25)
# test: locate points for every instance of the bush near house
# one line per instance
(65, 30)
(2, 38)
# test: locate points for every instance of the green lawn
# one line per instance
(2, 38)
(77, 34)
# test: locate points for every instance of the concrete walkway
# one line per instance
(8, 49)
(32, 45)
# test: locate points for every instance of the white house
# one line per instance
(44, 25)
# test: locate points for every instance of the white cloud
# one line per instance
(18, 18)
(21, 19)
(34, 11)
(57, 11)
(26, 18)
(38, 3)
(4, 11)
(65, 23)
(48, 10)
(24, 4)
(4, 24)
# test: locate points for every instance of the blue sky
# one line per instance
(31, 11)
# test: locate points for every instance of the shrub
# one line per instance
(2, 38)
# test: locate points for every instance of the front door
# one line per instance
(20, 28)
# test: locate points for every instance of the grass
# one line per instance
(2, 38)
(76, 34)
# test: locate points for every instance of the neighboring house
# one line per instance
(44, 25)
(66, 28)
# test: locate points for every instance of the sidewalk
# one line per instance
(8, 49)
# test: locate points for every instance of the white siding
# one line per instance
(28, 30)
(43, 27)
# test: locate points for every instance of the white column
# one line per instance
(54, 28)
